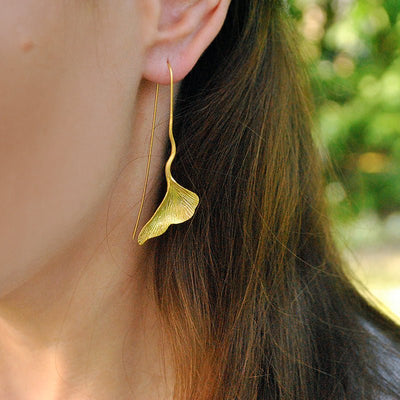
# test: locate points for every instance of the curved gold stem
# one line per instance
(170, 134)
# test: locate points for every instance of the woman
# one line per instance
(248, 299)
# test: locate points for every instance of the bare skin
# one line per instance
(77, 317)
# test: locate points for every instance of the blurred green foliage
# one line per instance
(353, 51)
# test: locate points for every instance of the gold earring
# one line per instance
(179, 203)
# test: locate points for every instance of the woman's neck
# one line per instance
(84, 326)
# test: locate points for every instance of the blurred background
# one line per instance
(353, 51)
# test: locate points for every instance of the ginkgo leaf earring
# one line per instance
(179, 203)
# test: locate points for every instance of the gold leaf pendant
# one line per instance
(179, 203)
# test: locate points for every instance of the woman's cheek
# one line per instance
(59, 143)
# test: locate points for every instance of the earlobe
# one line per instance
(186, 29)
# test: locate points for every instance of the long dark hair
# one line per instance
(252, 291)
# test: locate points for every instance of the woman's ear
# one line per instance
(185, 29)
